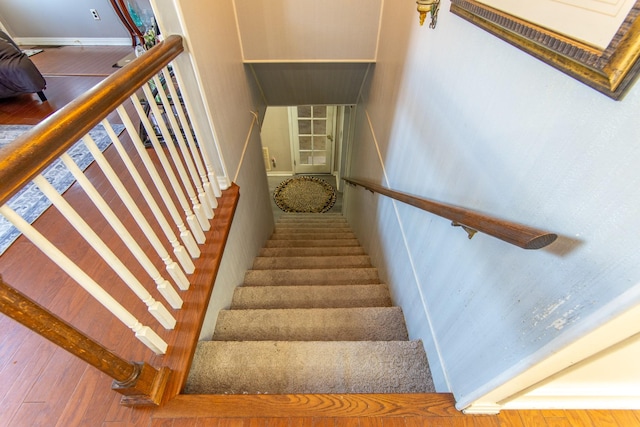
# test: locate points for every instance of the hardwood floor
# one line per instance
(27, 109)
(41, 385)
(69, 71)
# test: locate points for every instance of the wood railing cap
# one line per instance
(34, 150)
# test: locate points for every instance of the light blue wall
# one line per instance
(62, 19)
(457, 115)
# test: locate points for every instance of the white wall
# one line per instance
(460, 116)
(63, 22)
(211, 40)
(607, 380)
(308, 30)
(276, 136)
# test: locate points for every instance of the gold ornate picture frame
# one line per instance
(610, 71)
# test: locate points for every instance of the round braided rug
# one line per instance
(305, 194)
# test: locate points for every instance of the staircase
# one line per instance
(311, 317)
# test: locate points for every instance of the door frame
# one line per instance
(292, 138)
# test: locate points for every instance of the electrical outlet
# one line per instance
(95, 15)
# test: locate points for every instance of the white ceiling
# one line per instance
(309, 51)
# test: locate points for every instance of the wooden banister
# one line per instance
(34, 150)
(517, 234)
(140, 383)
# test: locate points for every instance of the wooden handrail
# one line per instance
(34, 150)
(141, 383)
(517, 234)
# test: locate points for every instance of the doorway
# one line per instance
(313, 130)
(305, 140)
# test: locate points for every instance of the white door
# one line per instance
(312, 131)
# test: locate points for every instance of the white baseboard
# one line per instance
(575, 402)
(482, 409)
(283, 173)
(578, 400)
(70, 41)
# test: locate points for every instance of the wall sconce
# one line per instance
(426, 6)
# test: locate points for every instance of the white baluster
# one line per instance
(158, 310)
(124, 194)
(172, 267)
(145, 334)
(177, 131)
(213, 179)
(192, 221)
(196, 232)
(177, 161)
(186, 235)
(193, 146)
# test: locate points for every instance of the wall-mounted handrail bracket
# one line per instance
(470, 231)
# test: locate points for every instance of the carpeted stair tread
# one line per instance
(311, 251)
(313, 236)
(317, 224)
(248, 297)
(290, 223)
(295, 367)
(312, 215)
(315, 276)
(320, 218)
(313, 230)
(311, 317)
(282, 262)
(312, 324)
(288, 243)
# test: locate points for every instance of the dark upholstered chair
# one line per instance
(17, 73)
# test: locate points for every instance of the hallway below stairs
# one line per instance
(310, 317)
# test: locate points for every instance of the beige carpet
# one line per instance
(289, 367)
(311, 317)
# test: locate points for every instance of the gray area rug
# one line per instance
(305, 194)
(29, 202)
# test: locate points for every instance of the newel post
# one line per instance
(141, 384)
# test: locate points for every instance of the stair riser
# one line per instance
(288, 243)
(315, 277)
(315, 324)
(319, 231)
(319, 224)
(312, 236)
(310, 228)
(326, 215)
(311, 252)
(256, 297)
(274, 263)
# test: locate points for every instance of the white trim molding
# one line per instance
(483, 409)
(585, 397)
(71, 41)
(280, 173)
